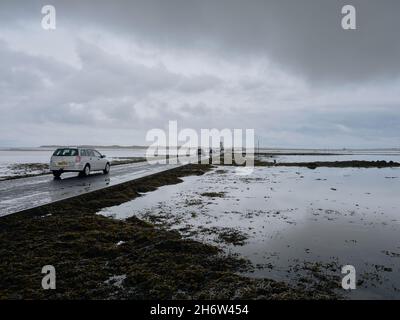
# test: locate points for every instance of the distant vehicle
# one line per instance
(82, 160)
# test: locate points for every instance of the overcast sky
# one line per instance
(112, 70)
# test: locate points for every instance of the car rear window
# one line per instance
(65, 152)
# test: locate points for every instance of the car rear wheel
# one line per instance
(56, 174)
(107, 169)
(86, 171)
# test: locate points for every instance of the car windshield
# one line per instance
(65, 152)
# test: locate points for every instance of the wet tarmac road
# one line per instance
(25, 193)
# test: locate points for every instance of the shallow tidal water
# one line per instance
(294, 224)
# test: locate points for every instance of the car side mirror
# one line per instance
(103, 155)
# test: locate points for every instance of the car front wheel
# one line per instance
(107, 169)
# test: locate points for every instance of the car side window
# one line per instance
(90, 153)
(97, 154)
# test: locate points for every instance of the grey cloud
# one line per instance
(304, 37)
(111, 92)
(199, 83)
(102, 76)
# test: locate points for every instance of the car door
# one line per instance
(102, 161)
(98, 160)
(84, 157)
(91, 159)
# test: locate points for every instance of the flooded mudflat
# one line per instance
(294, 224)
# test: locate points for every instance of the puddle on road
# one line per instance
(294, 224)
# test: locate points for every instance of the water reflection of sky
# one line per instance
(293, 216)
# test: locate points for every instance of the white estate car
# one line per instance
(82, 160)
